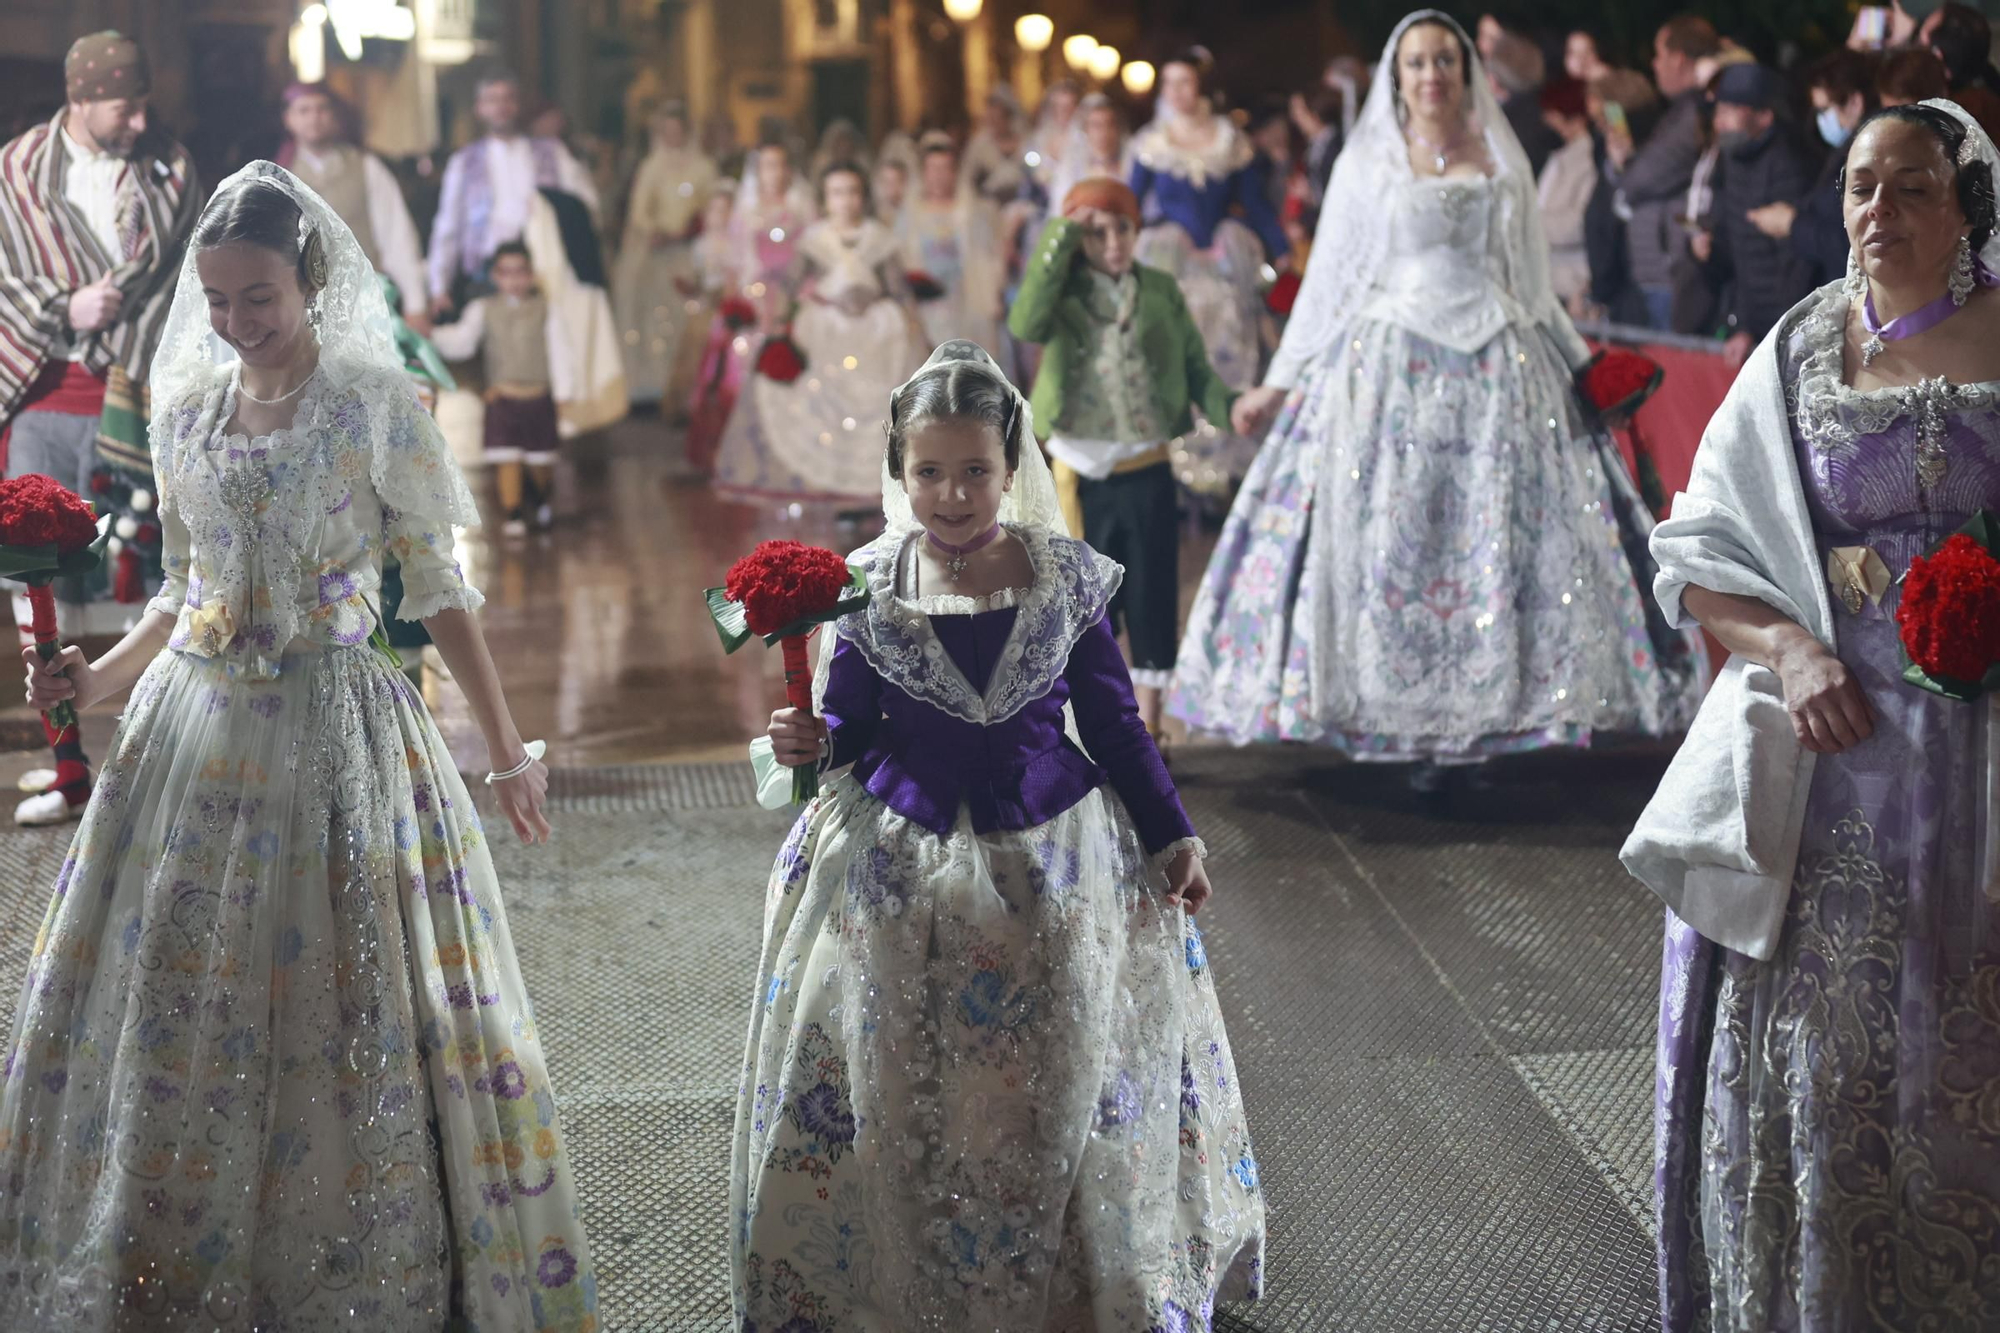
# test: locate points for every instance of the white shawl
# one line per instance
(1721, 836)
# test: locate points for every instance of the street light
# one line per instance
(962, 11)
(1077, 51)
(1104, 62)
(1138, 77)
(1034, 32)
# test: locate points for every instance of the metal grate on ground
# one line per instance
(1442, 1016)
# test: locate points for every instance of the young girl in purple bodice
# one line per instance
(985, 1052)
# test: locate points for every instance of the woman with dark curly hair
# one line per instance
(1829, 1055)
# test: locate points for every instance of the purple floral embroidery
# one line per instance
(336, 586)
(556, 1269)
(508, 1081)
(822, 1114)
(160, 1090)
(56, 1080)
(1119, 1106)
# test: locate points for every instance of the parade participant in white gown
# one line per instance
(1049, 142)
(360, 187)
(662, 219)
(987, 1084)
(489, 188)
(815, 438)
(948, 234)
(274, 1064)
(1429, 558)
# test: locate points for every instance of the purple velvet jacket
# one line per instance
(907, 733)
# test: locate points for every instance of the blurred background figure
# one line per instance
(663, 216)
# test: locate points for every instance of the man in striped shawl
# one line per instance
(94, 215)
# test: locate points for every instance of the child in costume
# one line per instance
(985, 1051)
(521, 434)
(771, 217)
(813, 438)
(701, 292)
(1122, 368)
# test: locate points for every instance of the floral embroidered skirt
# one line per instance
(1222, 286)
(820, 437)
(987, 1088)
(274, 1067)
(1829, 1121)
(1426, 562)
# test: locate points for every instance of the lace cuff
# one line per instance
(424, 605)
(1165, 856)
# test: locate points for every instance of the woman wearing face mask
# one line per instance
(810, 439)
(1428, 559)
(275, 1064)
(1193, 170)
(985, 1051)
(1843, 95)
(1829, 1051)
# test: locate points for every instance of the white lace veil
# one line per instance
(1351, 244)
(1032, 501)
(1978, 148)
(348, 314)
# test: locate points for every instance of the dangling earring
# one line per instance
(1962, 278)
(1857, 284)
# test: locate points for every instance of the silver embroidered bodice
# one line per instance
(1445, 274)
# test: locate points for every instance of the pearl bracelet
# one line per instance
(535, 749)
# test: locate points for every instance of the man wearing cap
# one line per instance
(94, 217)
(1758, 277)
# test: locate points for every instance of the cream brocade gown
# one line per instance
(274, 1066)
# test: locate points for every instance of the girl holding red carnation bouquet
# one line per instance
(274, 1062)
(1828, 838)
(806, 432)
(985, 1049)
(772, 212)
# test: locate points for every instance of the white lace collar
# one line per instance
(1073, 586)
(1832, 414)
(1228, 152)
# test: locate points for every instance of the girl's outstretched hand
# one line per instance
(796, 737)
(1187, 882)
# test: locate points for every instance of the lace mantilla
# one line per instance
(1073, 586)
(1834, 417)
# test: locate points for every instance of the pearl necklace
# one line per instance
(271, 402)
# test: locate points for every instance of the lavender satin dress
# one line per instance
(1828, 1122)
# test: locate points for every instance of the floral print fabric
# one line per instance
(987, 1087)
(274, 1066)
(1425, 561)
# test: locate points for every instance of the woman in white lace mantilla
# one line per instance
(987, 1085)
(274, 1065)
(1433, 557)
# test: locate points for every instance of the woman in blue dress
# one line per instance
(1191, 167)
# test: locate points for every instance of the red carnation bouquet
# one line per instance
(781, 359)
(48, 531)
(737, 312)
(923, 286)
(783, 591)
(1949, 614)
(1616, 383)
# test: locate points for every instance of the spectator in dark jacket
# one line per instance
(1653, 183)
(1518, 71)
(1613, 293)
(1758, 277)
(1843, 95)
